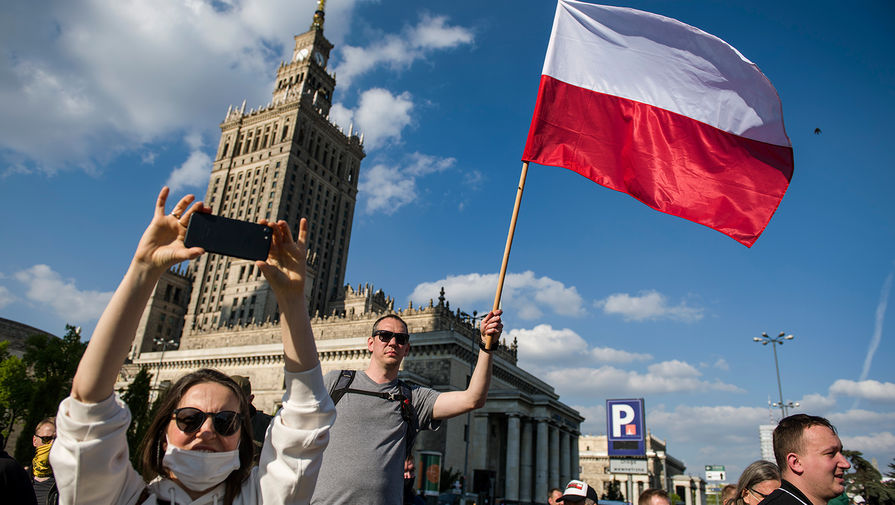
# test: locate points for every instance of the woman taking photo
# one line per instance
(198, 449)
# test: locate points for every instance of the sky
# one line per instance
(105, 102)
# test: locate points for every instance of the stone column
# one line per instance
(511, 493)
(541, 458)
(689, 498)
(698, 493)
(478, 446)
(526, 477)
(575, 463)
(553, 479)
(565, 457)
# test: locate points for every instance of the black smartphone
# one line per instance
(230, 237)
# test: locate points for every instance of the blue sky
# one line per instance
(104, 102)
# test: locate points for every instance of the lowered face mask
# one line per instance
(199, 470)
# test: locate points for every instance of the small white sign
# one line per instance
(716, 475)
(627, 465)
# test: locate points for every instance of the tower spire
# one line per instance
(317, 24)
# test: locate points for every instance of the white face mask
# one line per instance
(200, 470)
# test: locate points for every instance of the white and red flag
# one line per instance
(671, 115)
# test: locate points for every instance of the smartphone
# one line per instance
(230, 237)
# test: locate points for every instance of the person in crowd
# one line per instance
(653, 496)
(260, 420)
(578, 493)
(809, 454)
(757, 482)
(198, 448)
(379, 414)
(14, 481)
(728, 492)
(41, 472)
(553, 495)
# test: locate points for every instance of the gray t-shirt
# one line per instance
(364, 462)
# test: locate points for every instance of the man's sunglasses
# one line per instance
(47, 439)
(190, 419)
(386, 336)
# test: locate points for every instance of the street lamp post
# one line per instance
(473, 319)
(775, 341)
(164, 343)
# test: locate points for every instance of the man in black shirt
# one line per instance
(809, 454)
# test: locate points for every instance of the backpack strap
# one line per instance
(408, 413)
(340, 387)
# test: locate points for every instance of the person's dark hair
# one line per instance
(153, 446)
(788, 435)
(553, 490)
(390, 316)
(648, 494)
(757, 472)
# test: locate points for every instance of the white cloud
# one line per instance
(544, 345)
(607, 381)
(648, 305)
(527, 294)
(380, 116)
(83, 81)
(721, 364)
(876, 443)
(5, 297)
(817, 403)
(867, 389)
(400, 51)
(47, 287)
(387, 188)
(195, 170)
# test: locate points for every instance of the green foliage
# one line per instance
(613, 491)
(15, 391)
(865, 480)
(136, 396)
(675, 499)
(448, 477)
(51, 364)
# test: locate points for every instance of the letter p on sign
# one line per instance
(621, 415)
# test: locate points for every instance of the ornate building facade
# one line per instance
(286, 161)
(663, 471)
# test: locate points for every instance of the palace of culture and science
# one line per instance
(286, 161)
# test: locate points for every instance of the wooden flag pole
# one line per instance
(506, 251)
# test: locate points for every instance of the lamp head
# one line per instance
(765, 335)
(781, 334)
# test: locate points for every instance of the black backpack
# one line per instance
(408, 413)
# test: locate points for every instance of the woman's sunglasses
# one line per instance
(386, 336)
(190, 419)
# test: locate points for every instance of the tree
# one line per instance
(613, 491)
(15, 391)
(51, 363)
(865, 480)
(136, 396)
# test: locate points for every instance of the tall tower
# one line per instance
(283, 161)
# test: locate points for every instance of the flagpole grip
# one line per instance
(506, 251)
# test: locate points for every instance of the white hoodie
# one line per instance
(91, 465)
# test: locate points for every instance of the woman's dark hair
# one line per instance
(757, 472)
(153, 445)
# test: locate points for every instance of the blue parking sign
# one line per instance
(626, 427)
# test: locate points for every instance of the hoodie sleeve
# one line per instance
(298, 434)
(90, 454)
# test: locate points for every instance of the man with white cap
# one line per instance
(578, 493)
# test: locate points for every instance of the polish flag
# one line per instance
(671, 115)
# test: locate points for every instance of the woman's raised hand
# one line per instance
(162, 243)
(285, 267)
